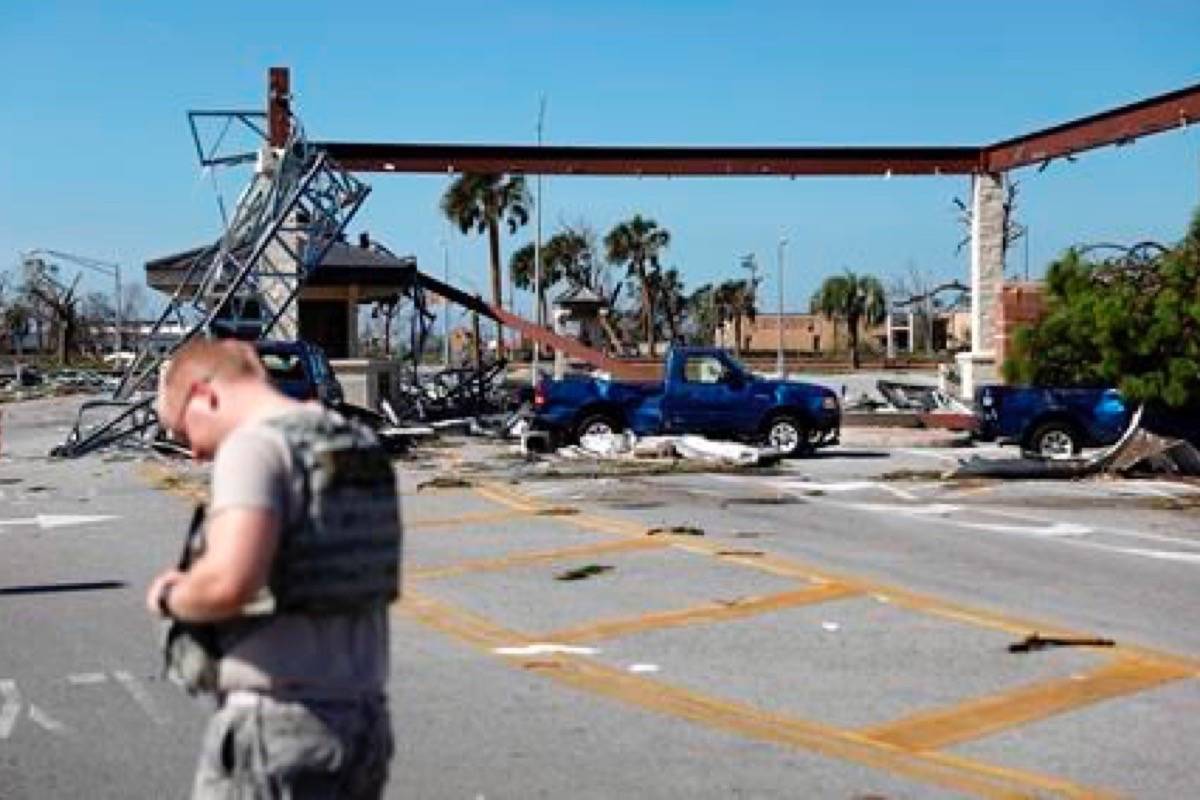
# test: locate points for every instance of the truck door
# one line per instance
(704, 398)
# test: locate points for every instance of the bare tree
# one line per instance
(1013, 230)
(55, 303)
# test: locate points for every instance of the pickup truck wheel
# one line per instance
(787, 435)
(597, 425)
(1055, 440)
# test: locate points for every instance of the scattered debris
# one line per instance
(675, 530)
(1035, 641)
(583, 573)
(739, 553)
(556, 511)
(444, 482)
(627, 446)
(760, 500)
(914, 475)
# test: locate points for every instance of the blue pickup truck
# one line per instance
(1051, 422)
(703, 391)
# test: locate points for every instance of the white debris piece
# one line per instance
(626, 445)
(697, 447)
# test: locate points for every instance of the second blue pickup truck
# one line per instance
(703, 391)
(1051, 422)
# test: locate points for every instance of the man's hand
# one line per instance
(239, 547)
(165, 579)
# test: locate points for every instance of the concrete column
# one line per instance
(891, 336)
(278, 266)
(987, 277)
(912, 332)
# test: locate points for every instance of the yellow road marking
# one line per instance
(904, 598)
(709, 612)
(932, 730)
(536, 557)
(470, 518)
(953, 772)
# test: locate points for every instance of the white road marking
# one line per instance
(932, 509)
(1050, 529)
(86, 678)
(46, 521)
(45, 720)
(641, 668)
(846, 486)
(1155, 488)
(1164, 555)
(11, 707)
(543, 648)
(140, 696)
(914, 451)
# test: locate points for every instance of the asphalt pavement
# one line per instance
(837, 627)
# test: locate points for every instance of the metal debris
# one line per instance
(1036, 641)
(676, 530)
(583, 573)
(444, 482)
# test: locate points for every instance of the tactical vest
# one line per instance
(340, 551)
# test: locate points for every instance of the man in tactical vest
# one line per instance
(279, 608)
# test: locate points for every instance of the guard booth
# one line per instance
(326, 310)
(582, 315)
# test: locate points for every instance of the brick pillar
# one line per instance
(987, 276)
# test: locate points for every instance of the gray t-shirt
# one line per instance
(300, 654)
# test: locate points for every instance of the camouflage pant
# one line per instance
(260, 748)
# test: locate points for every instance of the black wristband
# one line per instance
(164, 598)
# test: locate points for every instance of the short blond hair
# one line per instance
(205, 359)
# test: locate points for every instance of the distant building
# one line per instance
(816, 334)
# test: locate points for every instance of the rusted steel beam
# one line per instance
(653, 161)
(279, 100)
(1116, 126)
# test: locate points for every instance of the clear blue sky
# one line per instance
(95, 155)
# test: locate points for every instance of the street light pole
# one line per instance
(537, 254)
(779, 355)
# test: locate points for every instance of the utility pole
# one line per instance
(749, 262)
(537, 253)
(445, 305)
(779, 355)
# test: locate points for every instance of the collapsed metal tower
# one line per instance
(296, 206)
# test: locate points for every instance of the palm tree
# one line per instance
(567, 255)
(859, 298)
(667, 290)
(735, 301)
(480, 202)
(701, 311)
(637, 243)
